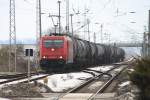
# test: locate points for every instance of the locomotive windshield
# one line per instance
(53, 43)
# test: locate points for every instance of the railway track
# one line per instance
(106, 84)
(102, 87)
(110, 74)
(22, 78)
(9, 76)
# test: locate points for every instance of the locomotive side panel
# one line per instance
(70, 50)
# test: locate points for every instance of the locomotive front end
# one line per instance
(53, 52)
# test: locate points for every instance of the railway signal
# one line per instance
(28, 53)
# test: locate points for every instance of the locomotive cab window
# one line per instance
(53, 43)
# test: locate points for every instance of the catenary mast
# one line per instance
(12, 34)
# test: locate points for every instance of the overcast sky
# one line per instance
(113, 14)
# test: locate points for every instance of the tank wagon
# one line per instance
(58, 52)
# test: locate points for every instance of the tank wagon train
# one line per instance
(58, 52)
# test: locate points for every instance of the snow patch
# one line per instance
(125, 84)
(1, 80)
(131, 70)
(4, 99)
(61, 82)
(102, 68)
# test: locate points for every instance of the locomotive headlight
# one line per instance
(44, 57)
(60, 57)
(52, 49)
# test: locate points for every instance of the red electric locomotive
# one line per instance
(54, 52)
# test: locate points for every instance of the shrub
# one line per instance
(141, 77)
(21, 61)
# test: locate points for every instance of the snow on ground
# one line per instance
(1, 80)
(102, 68)
(61, 82)
(4, 99)
(124, 84)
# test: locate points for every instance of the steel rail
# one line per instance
(23, 76)
(106, 84)
(8, 76)
(34, 79)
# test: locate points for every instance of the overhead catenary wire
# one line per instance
(105, 6)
